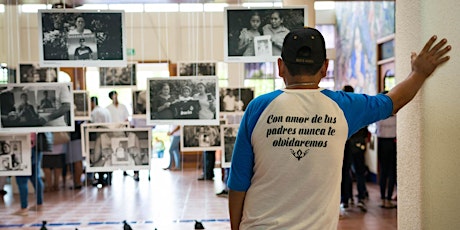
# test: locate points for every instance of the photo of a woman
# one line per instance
(161, 104)
(206, 100)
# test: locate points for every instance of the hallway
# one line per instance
(171, 200)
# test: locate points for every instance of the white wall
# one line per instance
(428, 139)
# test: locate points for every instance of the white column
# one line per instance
(428, 138)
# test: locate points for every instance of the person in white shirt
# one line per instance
(99, 114)
(118, 111)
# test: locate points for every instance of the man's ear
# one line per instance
(281, 67)
(324, 68)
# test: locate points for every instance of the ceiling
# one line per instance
(71, 3)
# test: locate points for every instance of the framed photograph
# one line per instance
(82, 105)
(30, 73)
(84, 133)
(196, 69)
(263, 46)
(117, 76)
(234, 100)
(75, 38)
(37, 107)
(15, 154)
(228, 137)
(257, 34)
(139, 103)
(183, 101)
(118, 149)
(200, 138)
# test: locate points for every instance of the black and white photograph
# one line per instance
(196, 69)
(117, 76)
(15, 154)
(75, 38)
(139, 103)
(183, 101)
(82, 106)
(228, 138)
(245, 25)
(84, 131)
(31, 73)
(234, 100)
(36, 107)
(118, 149)
(200, 138)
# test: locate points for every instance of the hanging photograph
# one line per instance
(228, 137)
(82, 105)
(118, 149)
(31, 73)
(15, 155)
(196, 69)
(139, 103)
(200, 138)
(234, 100)
(117, 76)
(36, 107)
(257, 34)
(75, 38)
(183, 101)
(84, 133)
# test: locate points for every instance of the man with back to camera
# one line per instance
(287, 159)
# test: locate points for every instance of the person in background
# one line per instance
(174, 149)
(247, 35)
(159, 147)
(386, 154)
(74, 157)
(35, 178)
(291, 179)
(53, 164)
(277, 31)
(209, 160)
(118, 111)
(355, 148)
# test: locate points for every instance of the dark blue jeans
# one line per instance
(35, 178)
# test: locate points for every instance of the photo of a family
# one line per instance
(235, 99)
(15, 153)
(122, 149)
(36, 107)
(30, 73)
(196, 69)
(117, 76)
(200, 138)
(183, 100)
(257, 34)
(73, 38)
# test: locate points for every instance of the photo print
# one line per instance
(228, 138)
(200, 138)
(31, 73)
(15, 154)
(82, 105)
(234, 100)
(84, 132)
(257, 34)
(117, 76)
(139, 103)
(36, 107)
(183, 101)
(118, 149)
(75, 38)
(196, 69)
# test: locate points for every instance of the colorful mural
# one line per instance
(359, 26)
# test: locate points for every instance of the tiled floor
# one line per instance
(170, 200)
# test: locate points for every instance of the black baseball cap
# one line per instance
(304, 46)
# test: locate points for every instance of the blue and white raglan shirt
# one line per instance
(289, 151)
